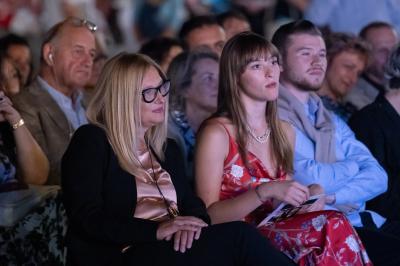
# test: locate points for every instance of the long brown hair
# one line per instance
(116, 108)
(237, 53)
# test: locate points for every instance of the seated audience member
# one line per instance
(127, 201)
(233, 23)
(21, 158)
(18, 51)
(194, 91)
(203, 32)
(326, 151)
(378, 126)
(52, 105)
(382, 38)
(162, 50)
(11, 78)
(244, 162)
(347, 57)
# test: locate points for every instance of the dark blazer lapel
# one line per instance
(49, 105)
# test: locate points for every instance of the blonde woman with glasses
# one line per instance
(125, 193)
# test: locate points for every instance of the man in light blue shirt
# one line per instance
(326, 151)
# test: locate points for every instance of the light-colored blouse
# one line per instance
(150, 203)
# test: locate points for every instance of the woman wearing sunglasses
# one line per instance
(126, 197)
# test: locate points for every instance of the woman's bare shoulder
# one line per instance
(217, 125)
(216, 130)
(212, 137)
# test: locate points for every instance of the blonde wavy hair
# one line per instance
(115, 107)
(237, 53)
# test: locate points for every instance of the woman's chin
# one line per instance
(153, 123)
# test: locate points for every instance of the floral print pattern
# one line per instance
(319, 222)
(324, 238)
(38, 239)
(237, 171)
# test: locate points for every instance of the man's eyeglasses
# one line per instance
(150, 94)
(83, 22)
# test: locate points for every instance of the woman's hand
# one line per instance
(189, 228)
(316, 189)
(184, 239)
(7, 112)
(288, 191)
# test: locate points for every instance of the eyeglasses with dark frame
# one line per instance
(150, 94)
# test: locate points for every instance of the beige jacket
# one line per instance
(47, 124)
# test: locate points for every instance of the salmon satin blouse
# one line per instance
(150, 203)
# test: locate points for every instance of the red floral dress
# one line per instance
(314, 238)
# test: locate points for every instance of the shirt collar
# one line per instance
(311, 107)
(61, 98)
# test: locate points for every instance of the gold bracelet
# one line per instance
(20, 123)
(258, 193)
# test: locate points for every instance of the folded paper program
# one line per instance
(284, 210)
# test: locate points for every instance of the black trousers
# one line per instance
(382, 244)
(234, 243)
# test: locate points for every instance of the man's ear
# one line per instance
(48, 56)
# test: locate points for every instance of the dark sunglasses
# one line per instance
(150, 94)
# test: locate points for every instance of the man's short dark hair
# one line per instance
(195, 23)
(8, 41)
(158, 48)
(221, 18)
(374, 25)
(282, 35)
(12, 39)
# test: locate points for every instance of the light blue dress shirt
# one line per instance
(354, 178)
(74, 111)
